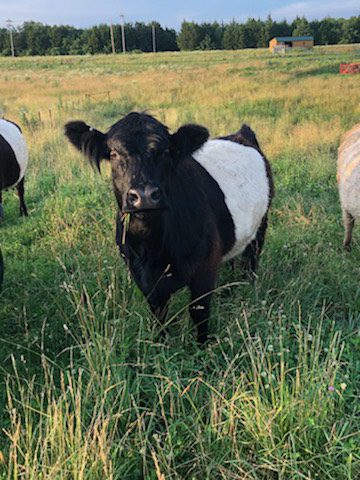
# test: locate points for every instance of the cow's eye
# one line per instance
(113, 155)
(120, 163)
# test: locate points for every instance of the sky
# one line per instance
(169, 13)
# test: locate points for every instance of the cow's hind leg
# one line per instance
(349, 222)
(252, 252)
(21, 190)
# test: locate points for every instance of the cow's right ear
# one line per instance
(188, 139)
(91, 142)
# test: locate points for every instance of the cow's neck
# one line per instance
(145, 228)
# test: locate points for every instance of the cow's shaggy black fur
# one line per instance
(181, 239)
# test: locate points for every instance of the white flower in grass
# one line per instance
(270, 348)
(310, 337)
(343, 386)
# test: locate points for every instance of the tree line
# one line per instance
(34, 38)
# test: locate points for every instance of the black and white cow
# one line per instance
(13, 161)
(186, 204)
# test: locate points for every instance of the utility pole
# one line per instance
(112, 39)
(123, 34)
(10, 26)
(153, 37)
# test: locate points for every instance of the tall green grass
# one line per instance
(87, 389)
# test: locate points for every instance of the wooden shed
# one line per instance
(291, 42)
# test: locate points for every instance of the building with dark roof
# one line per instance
(291, 42)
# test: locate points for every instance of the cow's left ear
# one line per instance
(188, 139)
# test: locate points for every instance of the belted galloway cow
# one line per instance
(348, 176)
(13, 161)
(185, 204)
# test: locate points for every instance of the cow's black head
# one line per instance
(143, 156)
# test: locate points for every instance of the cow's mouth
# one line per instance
(144, 212)
(147, 208)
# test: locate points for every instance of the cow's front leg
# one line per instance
(157, 288)
(202, 286)
(160, 295)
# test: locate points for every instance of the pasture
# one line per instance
(87, 390)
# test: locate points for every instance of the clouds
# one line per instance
(321, 9)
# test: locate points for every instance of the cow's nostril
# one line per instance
(133, 197)
(155, 194)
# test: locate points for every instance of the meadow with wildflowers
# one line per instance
(87, 390)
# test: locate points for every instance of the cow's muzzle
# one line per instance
(140, 199)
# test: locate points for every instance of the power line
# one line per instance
(153, 37)
(123, 34)
(112, 38)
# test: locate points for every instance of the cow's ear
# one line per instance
(188, 139)
(89, 141)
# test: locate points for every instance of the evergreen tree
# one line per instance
(301, 27)
(165, 39)
(275, 29)
(233, 38)
(329, 31)
(189, 36)
(253, 33)
(351, 30)
(4, 42)
(35, 38)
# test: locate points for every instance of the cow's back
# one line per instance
(348, 171)
(13, 154)
(240, 172)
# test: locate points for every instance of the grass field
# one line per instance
(86, 389)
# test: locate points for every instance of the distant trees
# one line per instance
(233, 36)
(351, 30)
(328, 31)
(34, 38)
(257, 33)
(300, 27)
(189, 36)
